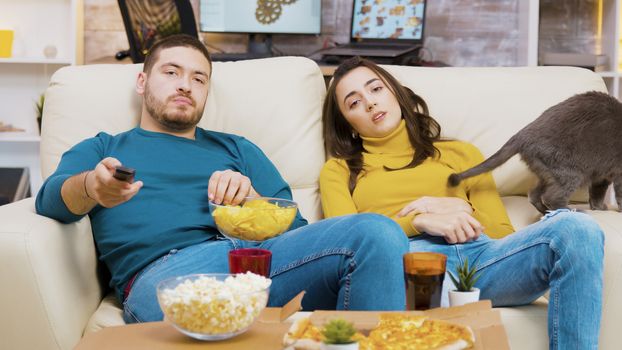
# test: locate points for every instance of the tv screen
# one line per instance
(260, 16)
(388, 19)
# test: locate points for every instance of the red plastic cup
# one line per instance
(254, 260)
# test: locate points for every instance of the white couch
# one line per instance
(51, 291)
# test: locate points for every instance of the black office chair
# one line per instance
(147, 21)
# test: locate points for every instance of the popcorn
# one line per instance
(206, 305)
(255, 220)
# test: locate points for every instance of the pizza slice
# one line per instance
(406, 332)
(303, 335)
(395, 331)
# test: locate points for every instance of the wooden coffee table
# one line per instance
(161, 335)
(266, 333)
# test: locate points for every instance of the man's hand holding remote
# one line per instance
(108, 190)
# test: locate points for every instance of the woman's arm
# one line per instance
(337, 200)
(437, 205)
(335, 196)
(456, 227)
(484, 198)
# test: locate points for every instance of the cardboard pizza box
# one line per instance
(268, 331)
(484, 321)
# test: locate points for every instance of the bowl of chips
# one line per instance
(255, 219)
(213, 306)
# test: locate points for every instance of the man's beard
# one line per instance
(176, 120)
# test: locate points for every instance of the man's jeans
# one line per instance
(563, 252)
(350, 263)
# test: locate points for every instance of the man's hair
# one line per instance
(339, 141)
(176, 40)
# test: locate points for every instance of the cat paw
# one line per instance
(598, 206)
(539, 206)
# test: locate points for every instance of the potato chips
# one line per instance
(255, 220)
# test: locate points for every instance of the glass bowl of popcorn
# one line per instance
(255, 219)
(213, 306)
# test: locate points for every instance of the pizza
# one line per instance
(394, 332)
(404, 332)
(304, 335)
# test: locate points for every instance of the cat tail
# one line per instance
(501, 156)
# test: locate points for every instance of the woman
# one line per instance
(388, 158)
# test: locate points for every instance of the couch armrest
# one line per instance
(611, 223)
(522, 213)
(49, 279)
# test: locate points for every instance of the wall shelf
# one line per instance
(36, 60)
(528, 22)
(15, 136)
(37, 24)
(609, 74)
(610, 44)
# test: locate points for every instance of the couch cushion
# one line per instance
(108, 314)
(486, 106)
(526, 325)
(275, 103)
(520, 211)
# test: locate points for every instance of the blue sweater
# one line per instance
(171, 209)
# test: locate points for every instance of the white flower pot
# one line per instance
(457, 298)
(350, 346)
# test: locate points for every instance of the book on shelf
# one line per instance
(9, 128)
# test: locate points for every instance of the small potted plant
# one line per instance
(338, 335)
(465, 291)
(39, 108)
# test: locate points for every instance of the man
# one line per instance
(159, 226)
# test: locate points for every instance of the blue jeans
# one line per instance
(562, 252)
(350, 263)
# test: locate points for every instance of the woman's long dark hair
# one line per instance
(339, 142)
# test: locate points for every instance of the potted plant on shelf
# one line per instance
(39, 108)
(465, 291)
(338, 335)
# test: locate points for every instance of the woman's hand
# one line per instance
(436, 205)
(456, 227)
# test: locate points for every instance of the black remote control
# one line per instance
(124, 174)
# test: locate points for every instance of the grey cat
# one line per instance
(573, 143)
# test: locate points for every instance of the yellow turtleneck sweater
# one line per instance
(387, 192)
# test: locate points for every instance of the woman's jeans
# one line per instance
(350, 263)
(563, 252)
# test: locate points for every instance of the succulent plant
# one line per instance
(467, 276)
(338, 331)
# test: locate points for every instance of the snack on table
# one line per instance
(394, 332)
(256, 220)
(303, 335)
(205, 305)
(399, 331)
